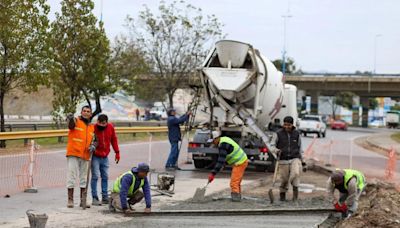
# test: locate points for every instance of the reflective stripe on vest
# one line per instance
(117, 184)
(349, 173)
(237, 156)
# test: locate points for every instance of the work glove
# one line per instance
(70, 117)
(117, 157)
(304, 165)
(92, 148)
(211, 177)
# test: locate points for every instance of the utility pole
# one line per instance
(285, 17)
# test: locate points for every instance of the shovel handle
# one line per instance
(275, 172)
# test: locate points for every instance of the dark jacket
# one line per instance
(126, 183)
(224, 149)
(289, 143)
(105, 139)
(174, 131)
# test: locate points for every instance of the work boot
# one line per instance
(83, 198)
(104, 200)
(295, 193)
(96, 201)
(70, 203)
(236, 197)
(282, 196)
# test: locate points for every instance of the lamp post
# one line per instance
(285, 17)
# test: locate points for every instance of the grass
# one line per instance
(396, 137)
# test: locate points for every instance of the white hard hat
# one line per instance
(214, 134)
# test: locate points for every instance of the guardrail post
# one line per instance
(35, 127)
(10, 127)
(25, 142)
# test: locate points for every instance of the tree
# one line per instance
(372, 103)
(131, 67)
(290, 66)
(81, 55)
(344, 99)
(174, 43)
(23, 47)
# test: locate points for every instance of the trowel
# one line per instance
(200, 193)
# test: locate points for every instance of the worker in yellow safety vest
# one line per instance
(230, 153)
(350, 183)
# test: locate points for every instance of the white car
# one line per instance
(312, 124)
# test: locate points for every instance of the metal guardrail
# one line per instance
(64, 132)
(49, 125)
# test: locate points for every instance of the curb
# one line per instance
(370, 143)
(319, 167)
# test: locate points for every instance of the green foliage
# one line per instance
(373, 103)
(174, 41)
(23, 47)
(345, 99)
(290, 66)
(81, 55)
(396, 107)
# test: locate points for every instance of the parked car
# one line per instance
(339, 124)
(312, 124)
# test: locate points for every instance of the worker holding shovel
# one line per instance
(231, 153)
(288, 148)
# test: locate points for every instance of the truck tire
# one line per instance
(324, 134)
(319, 134)
(199, 164)
(261, 168)
(305, 134)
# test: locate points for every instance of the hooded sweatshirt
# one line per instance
(126, 183)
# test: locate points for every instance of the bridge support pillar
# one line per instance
(365, 108)
(314, 102)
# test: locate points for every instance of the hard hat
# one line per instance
(214, 135)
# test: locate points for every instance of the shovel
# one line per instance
(200, 193)
(270, 193)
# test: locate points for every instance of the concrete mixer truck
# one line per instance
(244, 96)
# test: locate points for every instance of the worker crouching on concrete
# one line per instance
(231, 153)
(350, 184)
(126, 190)
(287, 146)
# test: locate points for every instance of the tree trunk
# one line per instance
(98, 106)
(171, 99)
(2, 127)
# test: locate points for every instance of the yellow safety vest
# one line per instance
(237, 156)
(117, 184)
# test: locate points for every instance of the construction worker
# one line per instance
(127, 186)
(350, 183)
(106, 137)
(174, 136)
(287, 146)
(80, 145)
(231, 153)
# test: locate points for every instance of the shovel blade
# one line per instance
(271, 196)
(199, 195)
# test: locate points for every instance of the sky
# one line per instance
(321, 35)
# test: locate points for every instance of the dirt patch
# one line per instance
(380, 207)
(396, 137)
(256, 197)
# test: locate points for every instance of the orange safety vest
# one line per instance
(79, 139)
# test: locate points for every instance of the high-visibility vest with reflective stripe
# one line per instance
(79, 139)
(237, 156)
(349, 173)
(117, 184)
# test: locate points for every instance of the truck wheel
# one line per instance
(319, 134)
(305, 134)
(324, 134)
(199, 164)
(261, 168)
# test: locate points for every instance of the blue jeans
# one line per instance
(173, 155)
(99, 169)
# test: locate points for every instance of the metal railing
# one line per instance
(64, 132)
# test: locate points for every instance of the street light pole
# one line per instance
(285, 17)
